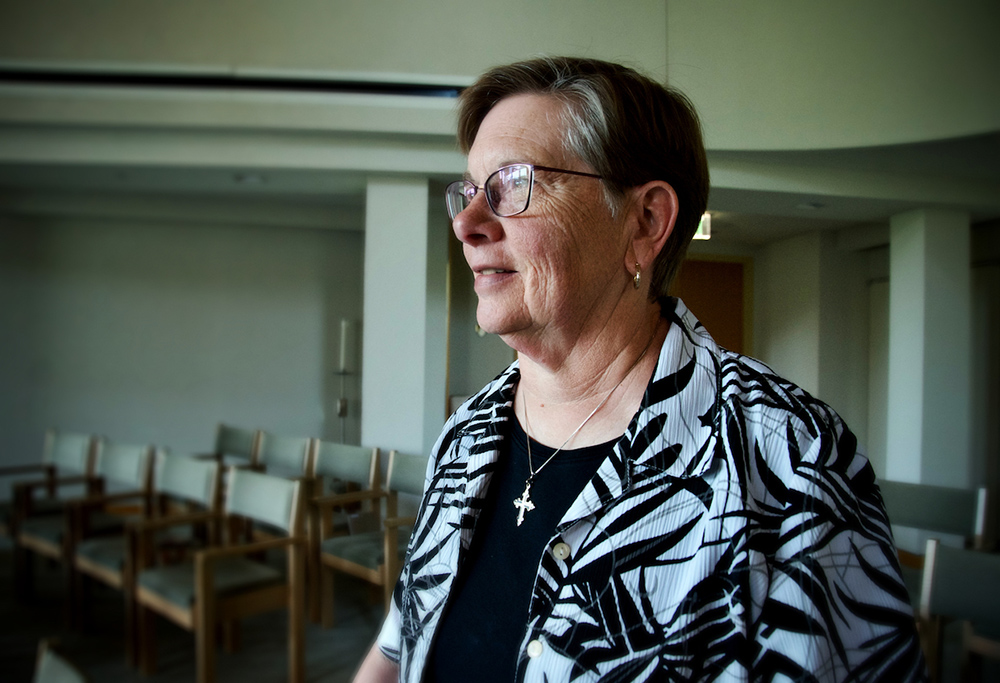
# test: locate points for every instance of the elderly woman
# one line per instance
(627, 501)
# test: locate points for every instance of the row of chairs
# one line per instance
(192, 578)
(948, 583)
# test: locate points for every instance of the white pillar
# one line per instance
(404, 350)
(928, 420)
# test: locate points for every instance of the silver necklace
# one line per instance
(524, 504)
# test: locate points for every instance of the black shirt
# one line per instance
(483, 625)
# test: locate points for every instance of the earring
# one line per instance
(638, 276)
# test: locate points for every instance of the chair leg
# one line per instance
(931, 633)
(78, 599)
(326, 597)
(296, 616)
(131, 635)
(204, 619)
(24, 572)
(387, 588)
(231, 632)
(147, 640)
(204, 630)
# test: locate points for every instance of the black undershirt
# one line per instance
(484, 622)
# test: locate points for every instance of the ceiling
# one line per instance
(747, 216)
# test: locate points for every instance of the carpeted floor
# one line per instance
(99, 651)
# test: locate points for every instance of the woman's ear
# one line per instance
(655, 208)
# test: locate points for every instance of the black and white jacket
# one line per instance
(736, 533)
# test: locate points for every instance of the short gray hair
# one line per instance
(627, 127)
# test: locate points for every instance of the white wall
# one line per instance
(422, 40)
(811, 321)
(155, 332)
(786, 311)
(786, 74)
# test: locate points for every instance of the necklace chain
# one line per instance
(524, 503)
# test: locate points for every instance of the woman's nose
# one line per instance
(476, 223)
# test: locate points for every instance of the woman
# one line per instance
(628, 500)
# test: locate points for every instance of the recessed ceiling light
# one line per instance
(249, 179)
(704, 231)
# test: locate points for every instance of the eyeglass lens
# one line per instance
(508, 191)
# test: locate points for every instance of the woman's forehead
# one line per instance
(520, 128)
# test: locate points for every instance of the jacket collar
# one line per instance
(673, 433)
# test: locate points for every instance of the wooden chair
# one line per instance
(235, 445)
(358, 471)
(222, 583)
(376, 556)
(285, 456)
(66, 459)
(185, 490)
(964, 585)
(55, 536)
(53, 667)
(938, 509)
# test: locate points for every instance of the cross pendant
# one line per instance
(524, 504)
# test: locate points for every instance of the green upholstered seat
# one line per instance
(107, 552)
(39, 506)
(232, 575)
(52, 527)
(365, 549)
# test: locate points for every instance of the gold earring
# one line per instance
(638, 276)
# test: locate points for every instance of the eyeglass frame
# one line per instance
(465, 182)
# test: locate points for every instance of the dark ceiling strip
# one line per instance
(211, 82)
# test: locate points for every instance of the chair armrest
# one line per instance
(57, 481)
(159, 523)
(218, 552)
(104, 498)
(12, 470)
(396, 522)
(346, 498)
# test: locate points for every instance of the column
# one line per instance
(928, 418)
(404, 351)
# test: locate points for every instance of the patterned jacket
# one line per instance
(736, 533)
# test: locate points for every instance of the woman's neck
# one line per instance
(608, 373)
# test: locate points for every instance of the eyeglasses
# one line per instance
(508, 189)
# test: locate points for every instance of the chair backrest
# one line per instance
(236, 442)
(127, 464)
(936, 508)
(285, 453)
(188, 478)
(264, 498)
(961, 584)
(70, 453)
(354, 464)
(406, 473)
